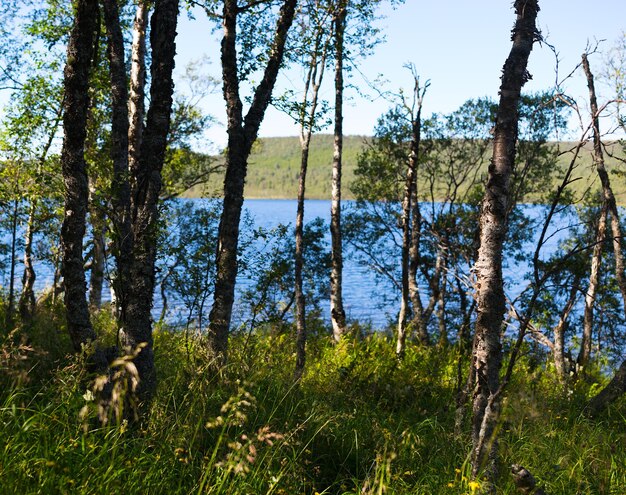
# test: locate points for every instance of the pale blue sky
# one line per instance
(459, 45)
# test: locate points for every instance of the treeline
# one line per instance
(436, 215)
(274, 163)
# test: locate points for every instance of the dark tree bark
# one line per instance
(146, 186)
(337, 312)
(609, 394)
(299, 262)
(120, 215)
(441, 299)
(487, 355)
(96, 264)
(79, 58)
(420, 316)
(242, 133)
(11, 306)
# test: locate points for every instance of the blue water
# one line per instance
(358, 282)
(364, 300)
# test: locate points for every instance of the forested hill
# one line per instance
(275, 164)
(274, 167)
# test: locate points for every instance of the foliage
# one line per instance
(187, 257)
(269, 295)
(453, 157)
(359, 422)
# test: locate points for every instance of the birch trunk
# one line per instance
(299, 262)
(11, 297)
(121, 231)
(241, 135)
(592, 289)
(420, 319)
(146, 179)
(315, 76)
(337, 312)
(96, 278)
(617, 386)
(487, 354)
(27, 304)
(410, 290)
(136, 100)
(79, 53)
(27, 298)
(559, 332)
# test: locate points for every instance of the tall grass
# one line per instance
(359, 422)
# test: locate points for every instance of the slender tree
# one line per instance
(487, 351)
(308, 116)
(145, 189)
(617, 385)
(242, 132)
(337, 312)
(410, 290)
(608, 205)
(136, 105)
(121, 151)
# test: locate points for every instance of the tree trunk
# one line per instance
(609, 394)
(79, 53)
(241, 135)
(299, 262)
(313, 81)
(487, 356)
(441, 301)
(11, 305)
(27, 304)
(409, 277)
(337, 312)
(592, 289)
(96, 279)
(559, 332)
(609, 197)
(136, 312)
(121, 233)
(27, 298)
(136, 105)
(419, 317)
(617, 386)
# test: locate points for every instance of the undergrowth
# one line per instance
(359, 422)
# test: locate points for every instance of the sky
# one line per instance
(459, 46)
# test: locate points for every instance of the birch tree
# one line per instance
(312, 50)
(79, 63)
(337, 312)
(242, 132)
(487, 351)
(410, 221)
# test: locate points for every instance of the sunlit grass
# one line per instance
(359, 422)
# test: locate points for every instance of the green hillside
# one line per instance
(274, 166)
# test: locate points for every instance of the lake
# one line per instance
(364, 300)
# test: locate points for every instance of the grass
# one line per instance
(360, 422)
